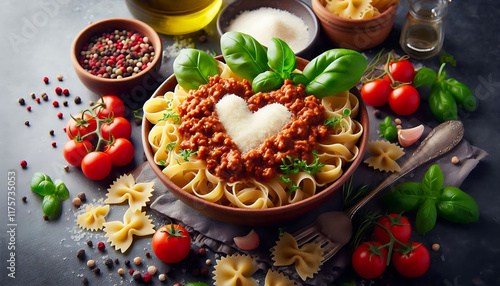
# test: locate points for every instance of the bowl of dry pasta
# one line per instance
(356, 24)
(245, 183)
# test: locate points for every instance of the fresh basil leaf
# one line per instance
(281, 58)
(426, 216)
(462, 94)
(61, 190)
(298, 78)
(244, 55)
(51, 205)
(457, 206)
(424, 77)
(267, 81)
(193, 67)
(334, 71)
(433, 180)
(442, 103)
(404, 197)
(42, 184)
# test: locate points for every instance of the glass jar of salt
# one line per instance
(422, 35)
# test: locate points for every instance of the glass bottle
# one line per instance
(422, 35)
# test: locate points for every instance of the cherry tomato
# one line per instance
(114, 107)
(404, 100)
(368, 264)
(413, 264)
(398, 225)
(96, 165)
(376, 93)
(171, 243)
(121, 152)
(119, 127)
(74, 151)
(402, 71)
(81, 127)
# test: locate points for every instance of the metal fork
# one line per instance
(334, 229)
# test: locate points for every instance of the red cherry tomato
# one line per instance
(113, 107)
(398, 225)
(368, 264)
(119, 127)
(404, 100)
(121, 152)
(74, 151)
(413, 264)
(96, 165)
(81, 127)
(376, 93)
(171, 243)
(402, 71)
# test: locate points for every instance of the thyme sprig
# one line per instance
(295, 166)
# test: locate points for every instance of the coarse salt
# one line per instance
(266, 23)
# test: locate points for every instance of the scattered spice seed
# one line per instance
(66, 168)
(397, 121)
(27, 123)
(65, 103)
(59, 77)
(45, 97)
(127, 262)
(78, 100)
(101, 246)
(24, 164)
(131, 271)
(55, 103)
(137, 275)
(377, 113)
(89, 243)
(117, 261)
(37, 100)
(28, 108)
(399, 127)
(82, 197)
(202, 251)
(435, 247)
(137, 260)
(77, 202)
(58, 90)
(24, 199)
(148, 255)
(91, 103)
(152, 270)
(208, 262)
(455, 160)
(51, 132)
(21, 101)
(54, 144)
(80, 254)
(204, 271)
(146, 278)
(33, 95)
(108, 262)
(60, 115)
(97, 270)
(65, 92)
(162, 277)
(90, 263)
(85, 281)
(120, 271)
(46, 80)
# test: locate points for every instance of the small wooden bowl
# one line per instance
(254, 217)
(144, 80)
(355, 34)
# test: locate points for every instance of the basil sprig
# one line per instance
(431, 199)
(52, 192)
(193, 67)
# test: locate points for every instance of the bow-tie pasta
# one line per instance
(93, 218)
(120, 234)
(273, 278)
(125, 188)
(384, 156)
(235, 270)
(307, 259)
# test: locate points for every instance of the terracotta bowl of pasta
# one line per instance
(212, 187)
(359, 27)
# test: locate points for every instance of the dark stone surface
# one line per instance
(36, 41)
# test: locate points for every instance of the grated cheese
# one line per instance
(248, 130)
(266, 23)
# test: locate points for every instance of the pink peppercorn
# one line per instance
(58, 90)
(146, 278)
(28, 108)
(60, 115)
(131, 271)
(46, 80)
(54, 144)
(24, 164)
(101, 246)
(37, 99)
(55, 103)
(65, 92)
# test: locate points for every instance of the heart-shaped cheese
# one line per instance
(247, 129)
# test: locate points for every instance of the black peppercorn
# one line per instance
(97, 270)
(89, 243)
(127, 262)
(108, 262)
(80, 254)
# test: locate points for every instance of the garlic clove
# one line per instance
(248, 242)
(407, 137)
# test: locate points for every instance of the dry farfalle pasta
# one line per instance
(120, 234)
(384, 155)
(307, 259)
(93, 218)
(125, 188)
(235, 270)
(274, 278)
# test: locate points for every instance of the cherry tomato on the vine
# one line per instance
(96, 165)
(171, 243)
(398, 225)
(81, 127)
(114, 107)
(119, 127)
(402, 71)
(376, 92)
(404, 100)
(413, 264)
(121, 152)
(74, 151)
(368, 264)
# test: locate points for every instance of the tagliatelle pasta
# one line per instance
(193, 175)
(358, 9)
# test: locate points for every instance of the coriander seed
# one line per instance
(137, 260)
(90, 263)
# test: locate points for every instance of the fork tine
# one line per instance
(304, 235)
(334, 248)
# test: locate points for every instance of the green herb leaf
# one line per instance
(170, 146)
(433, 180)
(424, 77)
(462, 94)
(442, 103)
(186, 153)
(457, 206)
(267, 81)
(281, 58)
(244, 55)
(404, 197)
(334, 71)
(51, 205)
(299, 78)
(42, 184)
(193, 67)
(61, 190)
(426, 216)
(444, 57)
(387, 130)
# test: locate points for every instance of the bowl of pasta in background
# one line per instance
(262, 216)
(352, 33)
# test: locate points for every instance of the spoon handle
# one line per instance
(439, 141)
